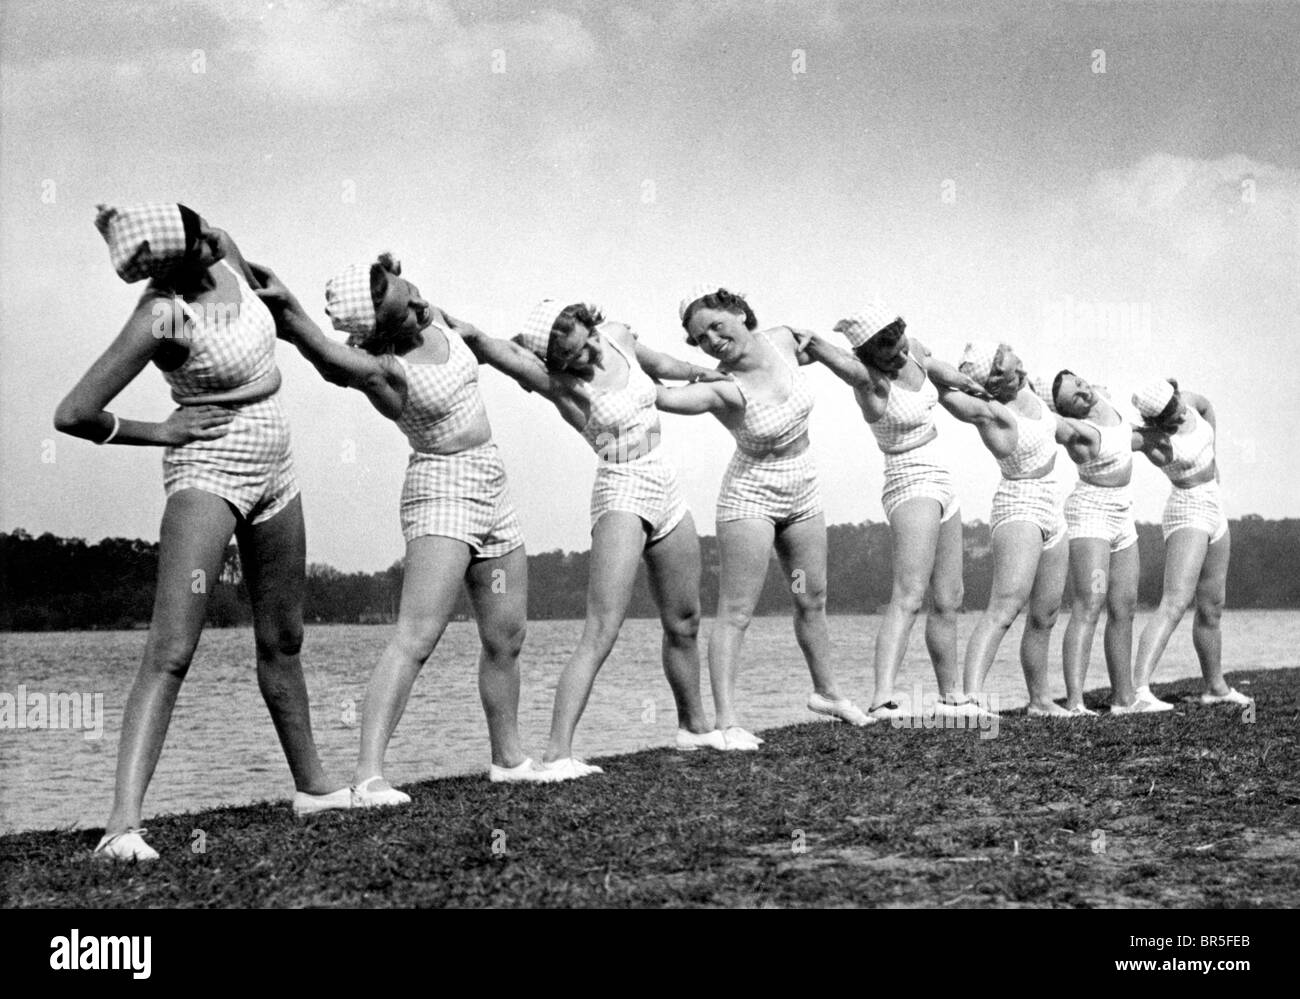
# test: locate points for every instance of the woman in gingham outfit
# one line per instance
(891, 374)
(769, 494)
(597, 374)
(1027, 522)
(1104, 563)
(227, 470)
(1195, 528)
(457, 519)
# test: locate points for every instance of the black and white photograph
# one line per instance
(651, 454)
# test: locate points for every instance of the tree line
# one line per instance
(49, 583)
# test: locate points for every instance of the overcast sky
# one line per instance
(1110, 187)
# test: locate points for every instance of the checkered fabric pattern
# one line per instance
(1104, 512)
(251, 467)
(143, 240)
(1114, 452)
(977, 359)
(1042, 389)
(908, 418)
(441, 399)
(696, 292)
(1035, 444)
(1193, 450)
(780, 490)
(646, 486)
(861, 326)
(229, 346)
(1199, 507)
(1152, 397)
(767, 426)
(1037, 501)
(918, 474)
(348, 302)
(535, 334)
(623, 423)
(461, 496)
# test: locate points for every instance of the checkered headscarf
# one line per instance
(348, 302)
(977, 359)
(1043, 390)
(1152, 397)
(536, 332)
(862, 325)
(697, 292)
(144, 240)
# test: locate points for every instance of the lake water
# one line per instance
(221, 748)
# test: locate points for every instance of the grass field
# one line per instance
(1195, 807)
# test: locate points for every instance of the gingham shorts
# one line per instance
(461, 496)
(782, 490)
(251, 467)
(1037, 501)
(918, 473)
(646, 486)
(1104, 512)
(1200, 507)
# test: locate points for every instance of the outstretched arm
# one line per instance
(705, 397)
(381, 380)
(82, 412)
(841, 362)
(666, 367)
(943, 374)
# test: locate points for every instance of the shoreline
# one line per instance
(1187, 808)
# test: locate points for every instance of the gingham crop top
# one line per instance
(908, 419)
(768, 426)
(622, 420)
(230, 345)
(1193, 451)
(1035, 443)
(1114, 452)
(441, 399)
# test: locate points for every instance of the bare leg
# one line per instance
(498, 589)
(435, 569)
(274, 559)
(1121, 604)
(1185, 554)
(1211, 590)
(1044, 606)
(1089, 572)
(1017, 546)
(915, 527)
(946, 594)
(196, 528)
(802, 549)
(674, 569)
(617, 542)
(745, 548)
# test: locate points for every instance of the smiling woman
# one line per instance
(769, 495)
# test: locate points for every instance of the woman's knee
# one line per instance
(171, 658)
(416, 640)
(1003, 611)
(1088, 606)
(1043, 618)
(735, 616)
(505, 641)
(1209, 610)
(908, 596)
(947, 599)
(283, 640)
(810, 600)
(682, 623)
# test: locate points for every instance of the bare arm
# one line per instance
(942, 374)
(841, 362)
(524, 367)
(666, 367)
(82, 412)
(382, 381)
(704, 397)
